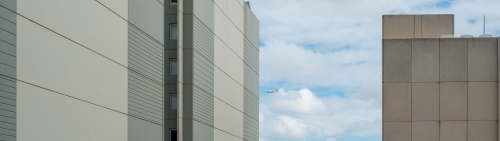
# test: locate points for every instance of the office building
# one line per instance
(129, 70)
(438, 87)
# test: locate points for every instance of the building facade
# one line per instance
(438, 88)
(129, 70)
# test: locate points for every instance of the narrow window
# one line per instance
(173, 66)
(173, 101)
(173, 31)
(173, 134)
(173, 1)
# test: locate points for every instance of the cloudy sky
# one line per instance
(325, 57)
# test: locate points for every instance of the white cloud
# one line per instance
(300, 102)
(341, 117)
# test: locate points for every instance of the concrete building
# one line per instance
(128, 70)
(437, 88)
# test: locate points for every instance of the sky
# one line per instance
(324, 56)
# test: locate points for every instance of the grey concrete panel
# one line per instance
(204, 12)
(398, 26)
(418, 26)
(482, 59)
(482, 131)
(453, 59)
(397, 60)
(425, 131)
(425, 60)
(482, 101)
(396, 131)
(202, 132)
(433, 26)
(453, 100)
(425, 101)
(148, 16)
(140, 130)
(453, 131)
(396, 102)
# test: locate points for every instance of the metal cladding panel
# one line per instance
(251, 27)
(146, 65)
(251, 117)
(251, 76)
(251, 57)
(145, 76)
(8, 59)
(203, 73)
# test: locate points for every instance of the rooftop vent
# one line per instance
(447, 36)
(466, 36)
(485, 36)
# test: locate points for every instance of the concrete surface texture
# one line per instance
(437, 88)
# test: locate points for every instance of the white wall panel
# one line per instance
(120, 7)
(227, 119)
(228, 62)
(84, 21)
(47, 116)
(53, 62)
(228, 90)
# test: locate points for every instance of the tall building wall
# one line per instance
(8, 70)
(440, 89)
(72, 70)
(213, 46)
(251, 76)
(229, 66)
(146, 70)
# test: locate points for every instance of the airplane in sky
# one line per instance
(271, 91)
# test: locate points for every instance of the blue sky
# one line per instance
(325, 57)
